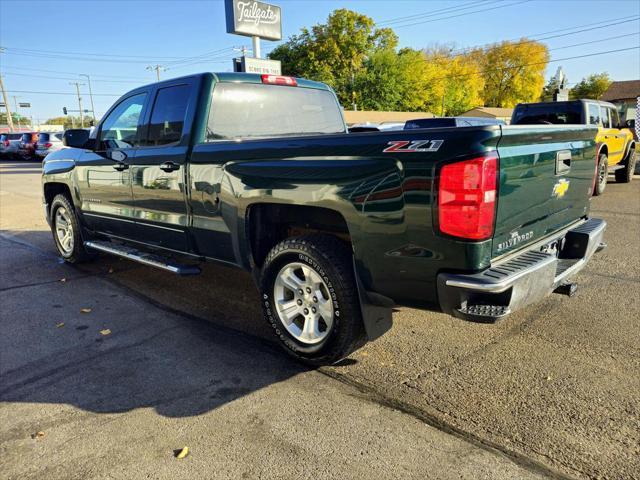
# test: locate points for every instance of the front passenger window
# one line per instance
(120, 128)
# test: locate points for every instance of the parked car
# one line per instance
(27, 146)
(441, 122)
(336, 228)
(617, 151)
(9, 143)
(48, 142)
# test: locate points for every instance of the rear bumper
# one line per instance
(520, 280)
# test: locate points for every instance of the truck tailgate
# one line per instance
(546, 179)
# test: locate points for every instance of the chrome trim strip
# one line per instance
(108, 218)
(158, 226)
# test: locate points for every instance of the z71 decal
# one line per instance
(413, 146)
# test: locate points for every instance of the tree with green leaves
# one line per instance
(69, 121)
(592, 87)
(335, 52)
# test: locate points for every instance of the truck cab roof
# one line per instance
(230, 77)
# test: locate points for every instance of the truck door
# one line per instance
(104, 177)
(158, 174)
(613, 138)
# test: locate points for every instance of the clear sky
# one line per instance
(48, 43)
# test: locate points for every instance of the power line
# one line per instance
(66, 78)
(620, 20)
(93, 54)
(462, 14)
(467, 50)
(481, 72)
(70, 73)
(38, 92)
(435, 12)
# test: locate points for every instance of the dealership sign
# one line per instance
(253, 19)
(260, 65)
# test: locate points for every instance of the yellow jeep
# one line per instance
(616, 146)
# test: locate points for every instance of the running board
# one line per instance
(145, 258)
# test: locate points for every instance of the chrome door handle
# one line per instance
(169, 166)
(563, 162)
(120, 166)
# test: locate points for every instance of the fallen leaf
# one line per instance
(106, 331)
(85, 310)
(181, 453)
(59, 325)
(37, 435)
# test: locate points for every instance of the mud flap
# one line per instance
(376, 310)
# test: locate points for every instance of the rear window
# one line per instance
(559, 113)
(26, 138)
(15, 136)
(4, 137)
(430, 123)
(241, 110)
(43, 137)
(167, 118)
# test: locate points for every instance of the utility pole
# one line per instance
(157, 68)
(6, 105)
(93, 112)
(15, 103)
(77, 84)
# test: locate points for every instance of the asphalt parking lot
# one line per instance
(118, 364)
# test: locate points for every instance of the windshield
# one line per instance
(242, 110)
(558, 113)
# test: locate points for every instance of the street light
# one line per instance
(93, 112)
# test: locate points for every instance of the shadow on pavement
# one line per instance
(124, 352)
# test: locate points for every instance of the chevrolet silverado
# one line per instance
(259, 172)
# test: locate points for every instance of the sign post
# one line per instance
(254, 19)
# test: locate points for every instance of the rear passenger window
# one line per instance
(167, 116)
(606, 120)
(594, 114)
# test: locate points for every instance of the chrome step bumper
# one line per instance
(520, 280)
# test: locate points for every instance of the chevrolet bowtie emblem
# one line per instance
(560, 188)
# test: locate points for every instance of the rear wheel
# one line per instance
(602, 172)
(625, 175)
(66, 231)
(310, 298)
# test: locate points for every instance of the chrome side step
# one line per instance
(139, 256)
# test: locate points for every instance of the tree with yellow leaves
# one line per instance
(513, 72)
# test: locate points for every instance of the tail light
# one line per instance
(467, 197)
(6, 143)
(48, 145)
(279, 80)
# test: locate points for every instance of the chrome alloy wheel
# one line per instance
(303, 303)
(64, 230)
(602, 173)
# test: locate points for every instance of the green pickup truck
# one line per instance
(259, 172)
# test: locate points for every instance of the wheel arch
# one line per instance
(51, 189)
(269, 223)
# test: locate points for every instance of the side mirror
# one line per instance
(75, 137)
